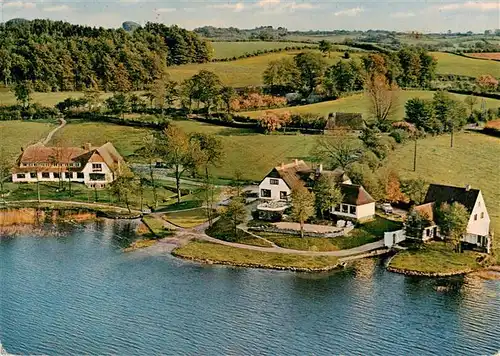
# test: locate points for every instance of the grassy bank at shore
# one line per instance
(224, 230)
(220, 254)
(435, 258)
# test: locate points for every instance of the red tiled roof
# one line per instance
(427, 210)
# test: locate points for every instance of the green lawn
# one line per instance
(239, 73)
(156, 225)
(187, 219)
(45, 99)
(366, 233)
(360, 103)
(453, 64)
(204, 251)
(224, 230)
(474, 160)
(15, 135)
(435, 257)
(236, 49)
(126, 139)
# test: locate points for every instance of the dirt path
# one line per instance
(53, 132)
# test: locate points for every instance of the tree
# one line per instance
(236, 213)
(311, 67)
(178, 152)
(23, 91)
(92, 95)
(392, 186)
(227, 94)
(415, 224)
(5, 167)
(487, 82)
(281, 76)
(208, 87)
(421, 113)
(450, 112)
(302, 206)
(158, 93)
(327, 194)
(237, 183)
(150, 153)
(471, 101)
(187, 93)
(118, 104)
(338, 150)
(453, 220)
(362, 174)
(325, 47)
(121, 79)
(272, 121)
(343, 77)
(415, 190)
(210, 153)
(124, 186)
(383, 98)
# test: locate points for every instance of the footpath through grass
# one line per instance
(215, 253)
(223, 230)
(364, 234)
(435, 257)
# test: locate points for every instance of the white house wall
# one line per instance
(275, 189)
(480, 226)
(87, 171)
(365, 211)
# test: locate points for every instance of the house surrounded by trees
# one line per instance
(478, 221)
(277, 186)
(95, 167)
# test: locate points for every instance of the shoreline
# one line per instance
(204, 261)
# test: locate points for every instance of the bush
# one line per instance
(399, 135)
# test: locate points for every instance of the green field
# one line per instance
(45, 99)
(360, 104)
(474, 160)
(236, 49)
(16, 134)
(458, 65)
(187, 219)
(239, 73)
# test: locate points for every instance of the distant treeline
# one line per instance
(56, 55)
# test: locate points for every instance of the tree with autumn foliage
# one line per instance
(383, 98)
(487, 82)
(391, 184)
(272, 121)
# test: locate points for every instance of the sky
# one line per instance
(399, 15)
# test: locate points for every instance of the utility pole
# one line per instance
(415, 156)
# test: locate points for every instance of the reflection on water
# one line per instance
(78, 294)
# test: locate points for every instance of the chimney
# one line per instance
(467, 187)
(282, 165)
(319, 169)
(296, 162)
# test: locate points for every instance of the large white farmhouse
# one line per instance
(93, 166)
(279, 183)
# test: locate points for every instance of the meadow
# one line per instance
(360, 103)
(473, 160)
(45, 99)
(236, 49)
(242, 72)
(16, 134)
(454, 64)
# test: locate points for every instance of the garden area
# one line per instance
(223, 230)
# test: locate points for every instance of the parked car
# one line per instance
(386, 208)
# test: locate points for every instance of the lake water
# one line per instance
(78, 294)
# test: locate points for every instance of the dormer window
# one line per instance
(97, 167)
(274, 181)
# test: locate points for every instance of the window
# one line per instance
(46, 175)
(337, 208)
(482, 215)
(80, 175)
(97, 167)
(33, 175)
(345, 208)
(57, 175)
(428, 232)
(21, 176)
(479, 204)
(352, 210)
(475, 217)
(68, 175)
(274, 181)
(265, 193)
(97, 177)
(283, 195)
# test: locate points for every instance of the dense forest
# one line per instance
(55, 55)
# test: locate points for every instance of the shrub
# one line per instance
(255, 101)
(399, 135)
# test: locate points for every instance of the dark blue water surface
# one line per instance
(79, 294)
